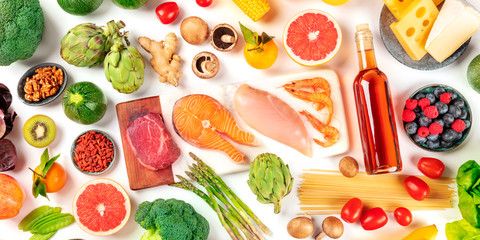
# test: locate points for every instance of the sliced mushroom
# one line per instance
(223, 37)
(205, 65)
(194, 30)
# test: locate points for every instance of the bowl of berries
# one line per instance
(437, 118)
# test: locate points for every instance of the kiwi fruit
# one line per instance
(39, 131)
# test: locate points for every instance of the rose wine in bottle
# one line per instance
(376, 119)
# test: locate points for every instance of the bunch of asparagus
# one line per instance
(232, 212)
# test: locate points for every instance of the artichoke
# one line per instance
(270, 179)
(124, 66)
(87, 44)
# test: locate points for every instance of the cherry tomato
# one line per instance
(167, 12)
(204, 3)
(374, 218)
(403, 216)
(416, 187)
(352, 210)
(431, 167)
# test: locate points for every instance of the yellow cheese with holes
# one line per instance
(455, 24)
(398, 7)
(413, 29)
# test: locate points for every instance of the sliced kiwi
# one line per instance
(39, 131)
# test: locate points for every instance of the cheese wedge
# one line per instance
(398, 7)
(455, 24)
(413, 29)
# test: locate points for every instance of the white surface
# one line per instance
(403, 81)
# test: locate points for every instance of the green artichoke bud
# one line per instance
(87, 44)
(270, 179)
(124, 66)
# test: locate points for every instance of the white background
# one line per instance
(403, 81)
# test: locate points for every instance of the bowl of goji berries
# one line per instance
(93, 152)
(437, 118)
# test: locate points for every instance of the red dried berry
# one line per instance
(423, 103)
(435, 128)
(408, 115)
(458, 125)
(423, 132)
(431, 112)
(411, 104)
(446, 97)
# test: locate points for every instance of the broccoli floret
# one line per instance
(21, 28)
(171, 219)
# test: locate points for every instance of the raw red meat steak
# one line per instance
(152, 144)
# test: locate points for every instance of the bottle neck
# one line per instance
(366, 54)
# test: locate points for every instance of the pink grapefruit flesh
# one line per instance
(312, 37)
(101, 207)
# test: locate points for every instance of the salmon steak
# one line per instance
(200, 119)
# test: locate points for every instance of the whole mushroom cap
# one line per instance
(223, 37)
(194, 30)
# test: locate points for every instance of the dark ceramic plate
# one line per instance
(74, 144)
(29, 73)
(396, 50)
(430, 89)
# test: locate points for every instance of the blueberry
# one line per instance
(458, 136)
(453, 93)
(449, 135)
(448, 119)
(440, 121)
(431, 98)
(433, 144)
(442, 107)
(419, 140)
(419, 96)
(455, 111)
(432, 137)
(417, 109)
(418, 115)
(424, 121)
(464, 113)
(438, 91)
(411, 128)
(467, 123)
(445, 144)
(459, 103)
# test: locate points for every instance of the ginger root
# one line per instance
(164, 60)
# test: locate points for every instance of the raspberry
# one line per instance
(411, 104)
(423, 103)
(408, 115)
(458, 125)
(431, 112)
(435, 128)
(423, 132)
(446, 97)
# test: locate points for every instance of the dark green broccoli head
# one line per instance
(21, 28)
(175, 219)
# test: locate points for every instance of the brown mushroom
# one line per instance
(205, 65)
(300, 227)
(194, 30)
(348, 166)
(223, 37)
(332, 228)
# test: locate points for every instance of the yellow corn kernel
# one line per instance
(254, 9)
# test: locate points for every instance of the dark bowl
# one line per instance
(74, 144)
(430, 89)
(29, 73)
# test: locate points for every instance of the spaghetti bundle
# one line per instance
(325, 192)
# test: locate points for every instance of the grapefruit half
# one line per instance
(101, 207)
(312, 37)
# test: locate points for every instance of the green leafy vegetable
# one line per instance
(461, 229)
(39, 188)
(468, 179)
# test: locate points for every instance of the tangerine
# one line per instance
(261, 57)
(55, 179)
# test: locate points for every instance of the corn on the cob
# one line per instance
(254, 9)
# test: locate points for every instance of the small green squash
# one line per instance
(84, 103)
(129, 4)
(79, 7)
(473, 73)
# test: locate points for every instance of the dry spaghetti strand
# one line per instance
(326, 191)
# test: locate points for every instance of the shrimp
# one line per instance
(319, 98)
(330, 133)
(315, 84)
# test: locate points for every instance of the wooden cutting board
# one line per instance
(140, 177)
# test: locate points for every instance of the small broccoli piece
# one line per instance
(151, 234)
(21, 28)
(171, 219)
